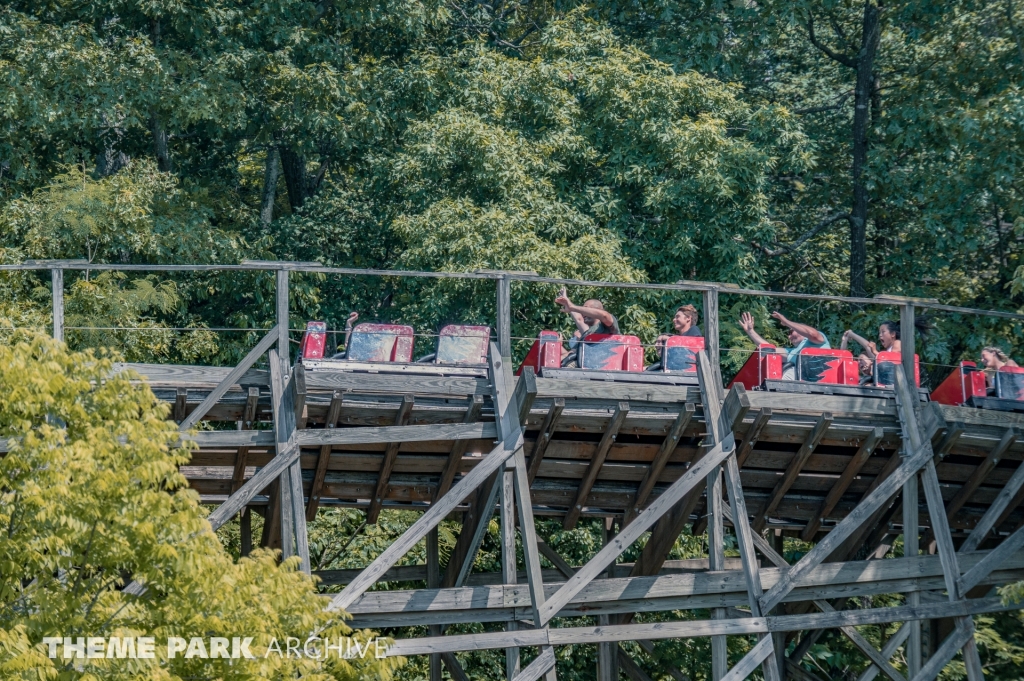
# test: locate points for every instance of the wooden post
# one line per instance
(716, 561)
(245, 527)
(282, 318)
(433, 582)
(907, 342)
(711, 332)
(57, 282)
(504, 313)
(910, 548)
(607, 653)
(508, 555)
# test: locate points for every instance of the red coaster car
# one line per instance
(960, 387)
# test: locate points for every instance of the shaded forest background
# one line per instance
(837, 147)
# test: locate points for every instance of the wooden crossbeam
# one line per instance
(953, 643)
(764, 415)
(793, 471)
(547, 430)
(231, 379)
(451, 466)
(525, 394)
(993, 560)
(293, 518)
(980, 473)
(867, 447)
(952, 436)
(632, 669)
(657, 467)
(755, 656)
(888, 650)
(572, 516)
(634, 530)
(390, 456)
(990, 520)
(241, 459)
(541, 665)
(695, 628)
(324, 458)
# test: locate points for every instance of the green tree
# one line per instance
(92, 498)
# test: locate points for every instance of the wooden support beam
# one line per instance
(953, 643)
(390, 455)
(180, 403)
(634, 530)
(657, 467)
(451, 466)
(271, 536)
(754, 657)
(952, 436)
(504, 316)
(541, 665)
(590, 477)
(525, 393)
(711, 333)
(793, 471)
(293, 518)
(632, 669)
(245, 532)
(867, 447)
(888, 650)
(980, 473)
(695, 628)
(989, 521)
(298, 388)
(474, 527)
(454, 668)
(993, 560)
(57, 288)
(906, 402)
(508, 557)
(281, 300)
(547, 430)
(242, 457)
(764, 415)
(231, 379)
(324, 458)
(433, 582)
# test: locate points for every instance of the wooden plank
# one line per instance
(995, 511)
(241, 458)
(632, 532)
(587, 483)
(454, 668)
(547, 430)
(953, 643)
(575, 391)
(362, 435)
(764, 415)
(451, 466)
(843, 483)
(508, 557)
(863, 407)
(390, 454)
(632, 669)
(293, 517)
(503, 310)
(657, 467)
(231, 379)
(754, 657)
(952, 436)
(474, 527)
(539, 667)
(316, 490)
(695, 629)
(797, 465)
(298, 388)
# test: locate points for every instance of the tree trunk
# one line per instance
(156, 126)
(293, 166)
(270, 176)
(862, 101)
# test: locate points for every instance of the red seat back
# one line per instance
(763, 364)
(607, 352)
(314, 340)
(826, 365)
(380, 343)
(462, 344)
(680, 353)
(884, 368)
(546, 351)
(1010, 383)
(965, 382)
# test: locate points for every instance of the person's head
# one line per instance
(795, 336)
(888, 333)
(993, 358)
(685, 317)
(865, 364)
(594, 303)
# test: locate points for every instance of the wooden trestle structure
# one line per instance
(848, 473)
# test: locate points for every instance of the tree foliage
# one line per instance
(91, 499)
